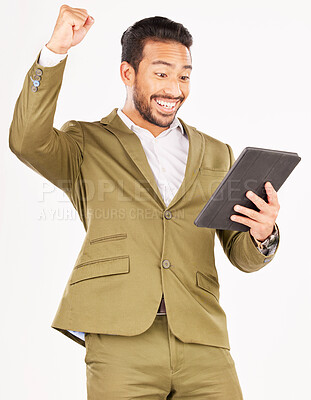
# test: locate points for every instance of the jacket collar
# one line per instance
(134, 148)
(130, 124)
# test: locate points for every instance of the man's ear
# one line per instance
(127, 73)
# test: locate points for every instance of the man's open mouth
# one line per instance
(166, 106)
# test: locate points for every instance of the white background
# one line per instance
(250, 87)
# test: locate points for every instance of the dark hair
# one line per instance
(156, 28)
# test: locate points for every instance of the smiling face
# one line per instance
(160, 87)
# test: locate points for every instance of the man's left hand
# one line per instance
(261, 223)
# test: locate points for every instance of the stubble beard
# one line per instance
(145, 111)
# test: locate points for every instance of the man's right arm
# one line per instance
(54, 154)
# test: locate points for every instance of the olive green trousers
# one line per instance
(157, 365)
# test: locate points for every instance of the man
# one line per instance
(143, 296)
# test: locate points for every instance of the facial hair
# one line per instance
(144, 109)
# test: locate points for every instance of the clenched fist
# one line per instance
(71, 26)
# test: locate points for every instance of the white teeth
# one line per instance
(166, 104)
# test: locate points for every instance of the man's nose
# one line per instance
(172, 88)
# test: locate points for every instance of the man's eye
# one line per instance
(185, 78)
(160, 73)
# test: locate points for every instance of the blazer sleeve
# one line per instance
(239, 247)
(55, 154)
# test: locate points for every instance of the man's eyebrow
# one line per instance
(169, 64)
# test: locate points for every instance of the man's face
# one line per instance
(162, 82)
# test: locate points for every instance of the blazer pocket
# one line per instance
(208, 181)
(102, 267)
(208, 283)
(108, 238)
(212, 172)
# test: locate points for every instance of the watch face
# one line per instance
(273, 238)
(266, 242)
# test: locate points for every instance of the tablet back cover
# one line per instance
(252, 169)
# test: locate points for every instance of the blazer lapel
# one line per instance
(135, 150)
(194, 160)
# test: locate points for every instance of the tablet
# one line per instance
(252, 169)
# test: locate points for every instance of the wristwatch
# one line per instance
(269, 241)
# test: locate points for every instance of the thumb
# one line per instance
(88, 23)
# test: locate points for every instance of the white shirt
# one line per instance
(166, 154)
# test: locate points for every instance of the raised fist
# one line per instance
(71, 26)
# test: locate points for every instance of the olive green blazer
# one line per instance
(135, 247)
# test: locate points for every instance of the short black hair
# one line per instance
(156, 28)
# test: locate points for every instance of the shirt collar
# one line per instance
(133, 127)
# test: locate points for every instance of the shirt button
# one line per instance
(38, 71)
(166, 264)
(167, 214)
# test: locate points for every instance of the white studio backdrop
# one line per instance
(250, 87)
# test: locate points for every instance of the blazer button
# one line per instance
(34, 89)
(38, 71)
(167, 214)
(166, 264)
